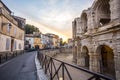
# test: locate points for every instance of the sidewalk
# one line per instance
(22, 67)
(40, 72)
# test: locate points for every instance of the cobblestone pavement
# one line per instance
(20, 68)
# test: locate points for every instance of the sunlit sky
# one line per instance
(50, 16)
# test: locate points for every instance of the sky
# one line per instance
(50, 16)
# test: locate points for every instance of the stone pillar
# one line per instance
(74, 53)
(94, 25)
(78, 51)
(91, 62)
(89, 22)
(117, 61)
(81, 60)
(116, 51)
(94, 63)
(115, 9)
(78, 26)
(117, 66)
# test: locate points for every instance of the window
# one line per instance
(7, 44)
(84, 22)
(104, 12)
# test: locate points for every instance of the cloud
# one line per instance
(44, 29)
(50, 16)
(58, 18)
(52, 2)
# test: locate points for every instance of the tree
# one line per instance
(29, 29)
(64, 43)
(61, 42)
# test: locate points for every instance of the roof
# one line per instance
(31, 35)
(6, 6)
(21, 21)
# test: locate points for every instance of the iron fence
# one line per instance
(62, 71)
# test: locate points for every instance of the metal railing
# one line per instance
(59, 70)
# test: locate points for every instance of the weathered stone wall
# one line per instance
(57, 51)
(51, 53)
(65, 50)
(98, 34)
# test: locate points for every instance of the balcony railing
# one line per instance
(59, 70)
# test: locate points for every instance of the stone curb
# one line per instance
(40, 72)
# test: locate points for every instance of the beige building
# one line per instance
(51, 40)
(55, 40)
(33, 41)
(96, 35)
(11, 31)
(37, 42)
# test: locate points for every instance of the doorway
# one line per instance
(107, 66)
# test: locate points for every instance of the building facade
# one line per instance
(96, 35)
(70, 43)
(50, 40)
(11, 31)
(33, 41)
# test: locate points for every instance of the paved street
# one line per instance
(19, 68)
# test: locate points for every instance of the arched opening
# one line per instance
(106, 60)
(84, 22)
(86, 56)
(37, 47)
(103, 12)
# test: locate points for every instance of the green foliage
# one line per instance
(64, 43)
(61, 42)
(29, 29)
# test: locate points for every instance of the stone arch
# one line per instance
(37, 47)
(85, 55)
(103, 12)
(84, 20)
(106, 60)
